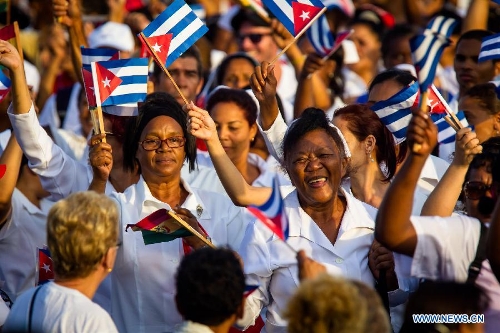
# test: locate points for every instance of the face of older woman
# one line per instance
(164, 161)
(315, 168)
(238, 73)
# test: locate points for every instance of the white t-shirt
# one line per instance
(58, 309)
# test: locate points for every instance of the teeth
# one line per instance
(317, 180)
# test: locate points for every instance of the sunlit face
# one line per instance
(480, 118)
(399, 53)
(257, 42)
(356, 147)
(315, 167)
(164, 162)
(368, 47)
(185, 73)
(235, 133)
(468, 71)
(237, 74)
(473, 206)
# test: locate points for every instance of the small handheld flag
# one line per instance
(346, 6)
(324, 41)
(45, 267)
(164, 226)
(497, 89)
(490, 48)
(5, 84)
(295, 15)
(3, 168)
(11, 32)
(249, 289)
(446, 131)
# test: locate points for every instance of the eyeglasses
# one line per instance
(172, 142)
(476, 190)
(112, 134)
(254, 38)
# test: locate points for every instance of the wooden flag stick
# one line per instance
(190, 228)
(98, 121)
(298, 35)
(158, 61)
(18, 40)
(451, 123)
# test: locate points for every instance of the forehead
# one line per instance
(225, 110)
(480, 174)
(468, 47)
(162, 125)
(248, 28)
(239, 65)
(314, 140)
(187, 63)
(384, 90)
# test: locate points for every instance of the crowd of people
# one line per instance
(382, 225)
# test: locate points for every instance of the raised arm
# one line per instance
(11, 157)
(393, 227)
(477, 16)
(442, 200)
(263, 83)
(202, 126)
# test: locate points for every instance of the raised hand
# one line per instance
(308, 268)
(422, 131)
(187, 216)
(466, 147)
(313, 63)
(380, 258)
(100, 158)
(264, 83)
(9, 57)
(200, 124)
(66, 11)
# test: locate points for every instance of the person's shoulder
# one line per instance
(96, 319)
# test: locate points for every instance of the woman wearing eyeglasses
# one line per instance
(143, 279)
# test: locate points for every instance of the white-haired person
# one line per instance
(82, 235)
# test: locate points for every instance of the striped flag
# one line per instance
(120, 82)
(446, 134)
(295, 15)
(249, 289)
(272, 213)
(395, 112)
(427, 49)
(45, 267)
(4, 86)
(90, 55)
(490, 48)
(346, 6)
(497, 89)
(182, 24)
(324, 41)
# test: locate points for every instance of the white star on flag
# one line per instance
(304, 16)
(106, 82)
(157, 48)
(46, 267)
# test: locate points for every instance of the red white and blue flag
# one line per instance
(324, 41)
(3, 168)
(90, 55)
(346, 6)
(249, 289)
(490, 48)
(427, 49)
(295, 15)
(4, 85)
(45, 267)
(183, 27)
(446, 133)
(272, 213)
(120, 82)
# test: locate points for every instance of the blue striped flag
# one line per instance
(496, 1)
(272, 213)
(324, 41)
(180, 21)
(120, 82)
(490, 48)
(497, 89)
(346, 6)
(395, 112)
(5, 84)
(446, 133)
(427, 49)
(295, 15)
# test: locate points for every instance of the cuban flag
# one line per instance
(295, 15)
(90, 55)
(249, 289)
(272, 213)
(4, 86)
(490, 48)
(427, 49)
(183, 27)
(395, 112)
(446, 133)
(120, 82)
(346, 6)
(45, 267)
(3, 168)
(324, 41)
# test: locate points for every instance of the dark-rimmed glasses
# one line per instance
(172, 142)
(476, 190)
(254, 38)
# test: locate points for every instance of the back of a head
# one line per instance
(443, 298)
(486, 95)
(330, 304)
(80, 230)
(210, 284)
(401, 76)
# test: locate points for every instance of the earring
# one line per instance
(251, 140)
(497, 133)
(110, 270)
(371, 158)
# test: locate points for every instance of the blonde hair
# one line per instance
(330, 304)
(80, 231)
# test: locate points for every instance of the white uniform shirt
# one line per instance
(20, 236)
(271, 265)
(143, 279)
(446, 246)
(58, 309)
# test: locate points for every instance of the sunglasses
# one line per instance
(254, 38)
(476, 190)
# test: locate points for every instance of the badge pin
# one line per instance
(199, 210)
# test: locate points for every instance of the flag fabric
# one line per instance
(180, 21)
(7, 32)
(272, 213)
(346, 6)
(45, 267)
(497, 89)
(496, 1)
(5, 84)
(3, 168)
(446, 134)
(159, 227)
(120, 82)
(427, 49)
(395, 112)
(324, 41)
(490, 48)
(294, 14)
(160, 46)
(249, 289)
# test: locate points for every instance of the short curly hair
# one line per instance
(210, 286)
(329, 304)
(80, 230)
